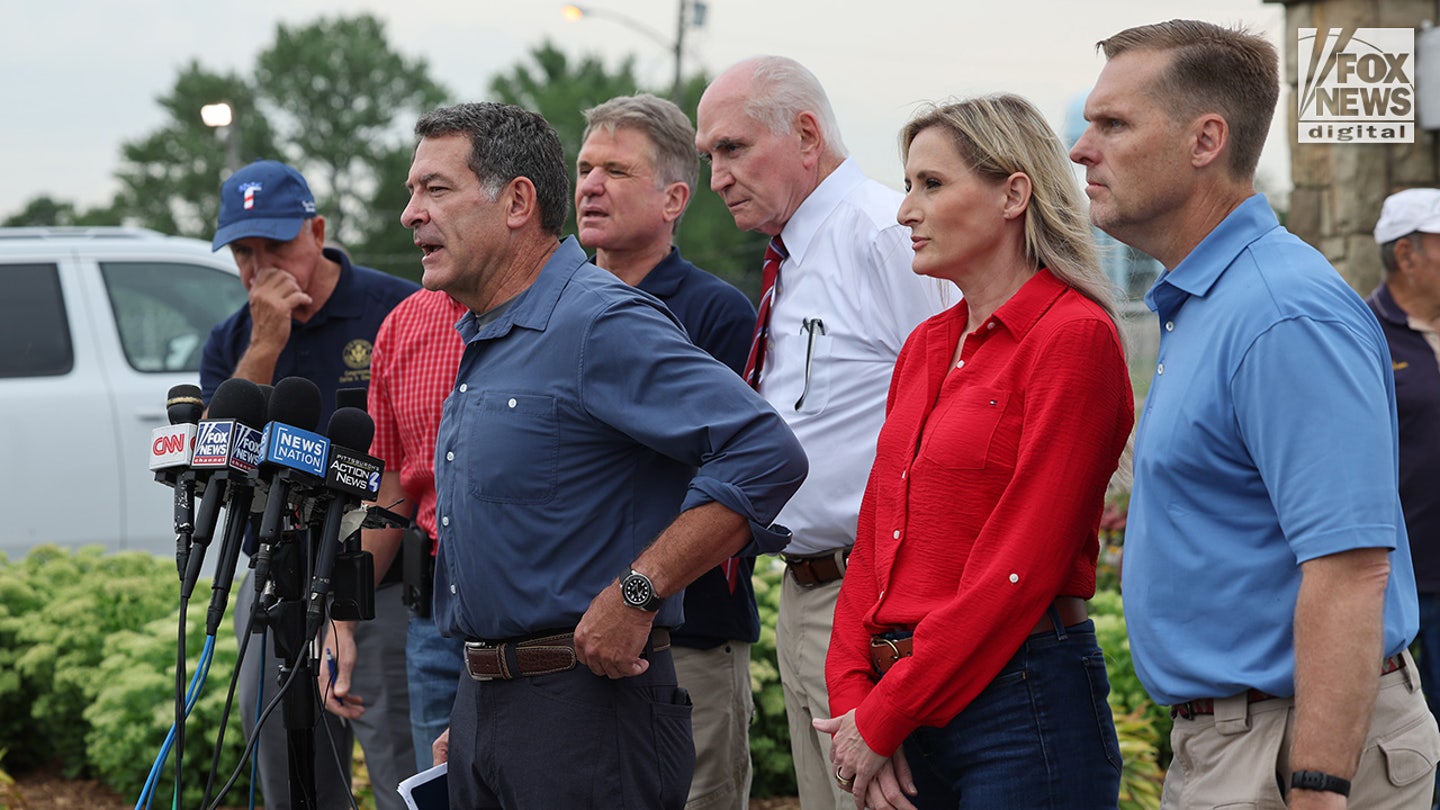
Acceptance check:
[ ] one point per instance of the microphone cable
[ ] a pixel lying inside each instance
(202, 671)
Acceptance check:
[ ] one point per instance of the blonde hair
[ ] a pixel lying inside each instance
(999, 135)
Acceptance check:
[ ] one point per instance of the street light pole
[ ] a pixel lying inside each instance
(680, 27)
(221, 117)
(676, 47)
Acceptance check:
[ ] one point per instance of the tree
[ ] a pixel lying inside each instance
(344, 102)
(46, 210)
(170, 179)
(561, 90)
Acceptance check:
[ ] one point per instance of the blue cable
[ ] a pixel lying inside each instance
(192, 696)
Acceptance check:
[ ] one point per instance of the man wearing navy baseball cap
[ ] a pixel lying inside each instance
(313, 314)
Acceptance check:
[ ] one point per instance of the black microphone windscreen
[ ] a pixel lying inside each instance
(239, 399)
(266, 391)
(296, 402)
(183, 404)
(350, 398)
(351, 428)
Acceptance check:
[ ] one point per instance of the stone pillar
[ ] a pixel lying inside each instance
(1339, 186)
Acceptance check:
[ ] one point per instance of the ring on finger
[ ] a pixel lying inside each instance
(843, 781)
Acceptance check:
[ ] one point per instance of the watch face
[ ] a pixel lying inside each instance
(637, 590)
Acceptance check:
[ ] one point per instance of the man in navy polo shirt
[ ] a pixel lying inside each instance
(1407, 302)
(311, 314)
(636, 171)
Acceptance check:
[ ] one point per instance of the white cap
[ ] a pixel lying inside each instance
(1408, 211)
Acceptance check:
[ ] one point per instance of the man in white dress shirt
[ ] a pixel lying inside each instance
(843, 304)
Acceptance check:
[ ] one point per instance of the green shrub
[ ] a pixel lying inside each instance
(87, 667)
(774, 770)
(134, 710)
(1143, 727)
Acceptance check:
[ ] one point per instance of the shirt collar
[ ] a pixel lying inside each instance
(1023, 310)
(664, 279)
(531, 309)
(1384, 305)
(807, 220)
(1204, 265)
(347, 300)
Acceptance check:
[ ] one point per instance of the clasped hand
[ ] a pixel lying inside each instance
(881, 783)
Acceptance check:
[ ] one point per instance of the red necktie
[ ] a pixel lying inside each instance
(774, 254)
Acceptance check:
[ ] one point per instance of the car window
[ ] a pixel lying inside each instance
(34, 333)
(165, 310)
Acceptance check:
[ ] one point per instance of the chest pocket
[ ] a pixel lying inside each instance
(961, 433)
(813, 393)
(515, 447)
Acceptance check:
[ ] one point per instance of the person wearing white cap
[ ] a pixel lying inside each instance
(1407, 302)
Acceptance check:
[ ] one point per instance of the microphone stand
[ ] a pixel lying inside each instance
(283, 610)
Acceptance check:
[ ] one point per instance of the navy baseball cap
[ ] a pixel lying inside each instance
(266, 199)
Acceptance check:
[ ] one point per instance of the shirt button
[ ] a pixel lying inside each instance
(445, 521)
(1160, 369)
(902, 474)
(1014, 578)
(463, 387)
(1169, 326)
(452, 589)
(449, 456)
(897, 534)
(511, 403)
(960, 364)
(990, 325)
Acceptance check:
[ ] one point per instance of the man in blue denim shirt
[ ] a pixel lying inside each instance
(591, 462)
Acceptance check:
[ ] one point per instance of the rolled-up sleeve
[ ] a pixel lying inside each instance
(642, 376)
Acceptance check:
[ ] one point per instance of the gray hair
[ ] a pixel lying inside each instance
(672, 138)
(507, 142)
(782, 89)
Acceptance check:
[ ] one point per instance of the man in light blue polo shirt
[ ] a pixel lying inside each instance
(1268, 586)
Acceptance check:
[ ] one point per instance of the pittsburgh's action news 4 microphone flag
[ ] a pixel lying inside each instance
(171, 449)
(350, 476)
(227, 451)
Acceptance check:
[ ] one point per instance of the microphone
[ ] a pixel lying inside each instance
(350, 476)
(171, 449)
(290, 452)
(227, 451)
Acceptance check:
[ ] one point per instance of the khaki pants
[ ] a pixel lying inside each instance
(718, 680)
(1238, 758)
(802, 639)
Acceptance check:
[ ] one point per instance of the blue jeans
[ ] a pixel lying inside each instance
(433, 667)
(1040, 736)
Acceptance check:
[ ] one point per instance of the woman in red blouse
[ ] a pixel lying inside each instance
(962, 669)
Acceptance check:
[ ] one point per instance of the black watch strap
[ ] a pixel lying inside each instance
(1318, 780)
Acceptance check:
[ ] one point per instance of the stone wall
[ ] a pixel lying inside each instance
(1339, 187)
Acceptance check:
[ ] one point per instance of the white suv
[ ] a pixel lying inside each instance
(96, 325)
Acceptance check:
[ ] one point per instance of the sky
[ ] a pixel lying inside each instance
(76, 87)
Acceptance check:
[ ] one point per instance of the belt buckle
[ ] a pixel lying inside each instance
(487, 646)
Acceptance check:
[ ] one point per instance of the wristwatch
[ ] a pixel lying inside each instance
(639, 592)
(1317, 780)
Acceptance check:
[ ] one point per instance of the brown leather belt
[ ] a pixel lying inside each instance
(545, 655)
(884, 652)
(1195, 708)
(817, 569)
